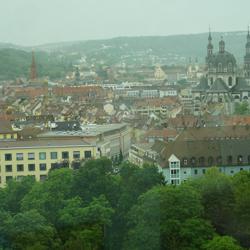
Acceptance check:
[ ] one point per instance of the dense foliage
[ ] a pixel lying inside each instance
(242, 108)
(96, 208)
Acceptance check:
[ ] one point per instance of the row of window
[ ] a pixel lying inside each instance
(20, 177)
(220, 68)
(175, 175)
(31, 167)
(214, 160)
(43, 155)
(196, 171)
(7, 136)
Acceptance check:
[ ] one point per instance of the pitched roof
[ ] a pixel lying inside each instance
(219, 86)
(161, 133)
(214, 133)
(202, 86)
(242, 85)
(208, 153)
(5, 127)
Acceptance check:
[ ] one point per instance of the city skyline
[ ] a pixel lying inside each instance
(30, 24)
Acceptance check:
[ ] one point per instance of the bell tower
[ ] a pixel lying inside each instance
(33, 73)
(210, 45)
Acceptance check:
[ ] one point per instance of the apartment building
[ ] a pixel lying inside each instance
(37, 157)
(192, 158)
(25, 155)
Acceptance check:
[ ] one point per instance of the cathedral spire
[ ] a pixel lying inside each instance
(33, 74)
(210, 36)
(210, 45)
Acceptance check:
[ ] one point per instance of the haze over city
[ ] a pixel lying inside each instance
(125, 124)
(29, 22)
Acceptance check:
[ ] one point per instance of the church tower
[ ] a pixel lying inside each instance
(247, 57)
(33, 74)
(209, 46)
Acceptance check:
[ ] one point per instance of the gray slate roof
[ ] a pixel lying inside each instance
(202, 86)
(213, 152)
(219, 86)
(242, 85)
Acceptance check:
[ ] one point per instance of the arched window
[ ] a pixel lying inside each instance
(210, 160)
(230, 159)
(230, 67)
(240, 159)
(220, 67)
(211, 80)
(230, 81)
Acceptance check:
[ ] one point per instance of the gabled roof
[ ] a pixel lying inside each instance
(218, 86)
(173, 158)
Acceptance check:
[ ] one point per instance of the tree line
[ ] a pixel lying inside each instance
(130, 208)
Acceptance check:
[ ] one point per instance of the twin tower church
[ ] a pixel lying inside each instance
(224, 83)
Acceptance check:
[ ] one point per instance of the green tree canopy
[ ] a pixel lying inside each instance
(168, 218)
(222, 243)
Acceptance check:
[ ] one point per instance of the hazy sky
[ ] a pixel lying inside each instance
(32, 22)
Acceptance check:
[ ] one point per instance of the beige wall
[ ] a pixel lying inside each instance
(37, 173)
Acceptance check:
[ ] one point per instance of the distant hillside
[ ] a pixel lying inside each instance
(16, 63)
(193, 45)
(54, 60)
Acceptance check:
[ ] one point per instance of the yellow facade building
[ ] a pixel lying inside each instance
(37, 157)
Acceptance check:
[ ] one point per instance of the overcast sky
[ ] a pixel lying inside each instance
(33, 22)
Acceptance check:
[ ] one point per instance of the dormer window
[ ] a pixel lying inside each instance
(240, 159)
(210, 160)
(193, 161)
(248, 159)
(230, 159)
(185, 162)
(219, 160)
(202, 161)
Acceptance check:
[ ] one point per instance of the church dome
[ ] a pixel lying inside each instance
(223, 59)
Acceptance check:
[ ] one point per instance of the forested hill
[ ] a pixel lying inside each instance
(16, 63)
(54, 60)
